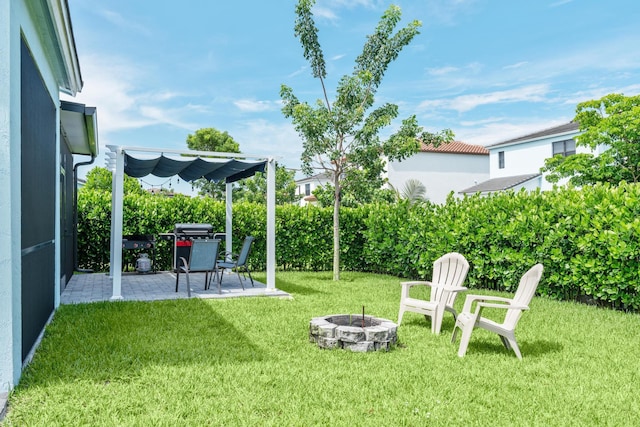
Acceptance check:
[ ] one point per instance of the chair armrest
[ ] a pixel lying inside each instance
(452, 288)
(416, 283)
(185, 264)
(507, 306)
(470, 299)
(406, 286)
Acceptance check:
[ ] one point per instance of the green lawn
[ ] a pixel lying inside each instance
(248, 361)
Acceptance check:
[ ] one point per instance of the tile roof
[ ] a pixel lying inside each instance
(454, 147)
(499, 184)
(567, 127)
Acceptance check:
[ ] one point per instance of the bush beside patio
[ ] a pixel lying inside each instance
(587, 239)
(248, 361)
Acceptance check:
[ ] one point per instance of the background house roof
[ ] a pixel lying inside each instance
(499, 184)
(455, 147)
(556, 130)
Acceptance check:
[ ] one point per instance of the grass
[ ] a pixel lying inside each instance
(248, 361)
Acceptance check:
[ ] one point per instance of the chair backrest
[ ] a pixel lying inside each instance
(244, 252)
(450, 269)
(524, 294)
(204, 253)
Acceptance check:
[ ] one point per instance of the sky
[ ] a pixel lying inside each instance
(489, 70)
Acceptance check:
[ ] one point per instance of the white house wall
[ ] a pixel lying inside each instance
(440, 173)
(527, 157)
(314, 182)
(15, 22)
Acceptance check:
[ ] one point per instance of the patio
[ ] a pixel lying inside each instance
(94, 287)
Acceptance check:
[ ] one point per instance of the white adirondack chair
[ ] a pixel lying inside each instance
(468, 320)
(449, 272)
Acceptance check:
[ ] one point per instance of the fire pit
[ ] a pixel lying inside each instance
(355, 332)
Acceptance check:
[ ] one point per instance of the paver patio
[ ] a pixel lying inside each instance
(93, 287)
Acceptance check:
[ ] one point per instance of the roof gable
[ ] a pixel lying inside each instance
(500, 184)
(556, 130)
(454, 147)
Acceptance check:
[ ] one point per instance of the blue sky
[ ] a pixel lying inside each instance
(490, 70)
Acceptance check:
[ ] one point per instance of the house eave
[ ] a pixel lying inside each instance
(79, 128)
(53, 21)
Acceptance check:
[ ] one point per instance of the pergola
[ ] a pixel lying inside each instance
(190, 165)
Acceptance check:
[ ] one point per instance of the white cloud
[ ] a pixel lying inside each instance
(298, 71)
(481, 121)
(500, 130)
(251, 106)
(462, 103)
(560, 3)
(516, 65)
(599, 92)
(447, 11)
(112, 84)
(262, 137)
(324, 13)
(166, 116)
(442, 70)
(124, 24)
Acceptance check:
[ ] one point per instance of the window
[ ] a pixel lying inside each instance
(501, 159)
(564, 148)
(307, 189)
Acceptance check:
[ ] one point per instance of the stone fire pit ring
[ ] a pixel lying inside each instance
(354, 332)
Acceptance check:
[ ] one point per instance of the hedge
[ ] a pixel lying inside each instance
(587, 239)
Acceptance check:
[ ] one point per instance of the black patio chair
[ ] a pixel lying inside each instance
(239, 263)
(202, 258)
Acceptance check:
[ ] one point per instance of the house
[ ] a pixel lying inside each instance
(39, 136)
(306, 186)
(515, 164)
(443, 169)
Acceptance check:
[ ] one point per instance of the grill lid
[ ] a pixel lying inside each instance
(193, 229)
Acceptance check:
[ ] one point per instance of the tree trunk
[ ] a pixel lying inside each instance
(336, 230)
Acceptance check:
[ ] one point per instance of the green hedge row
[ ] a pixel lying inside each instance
(304, 235)
(588, 240)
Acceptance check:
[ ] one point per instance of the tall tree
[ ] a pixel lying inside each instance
(100, 178)
(341, 137)
(210, 139)
(613, 123)
(254, 189)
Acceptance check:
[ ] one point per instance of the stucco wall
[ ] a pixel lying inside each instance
(528, 157)
(440, 173)
(10, 320)
(15, 23)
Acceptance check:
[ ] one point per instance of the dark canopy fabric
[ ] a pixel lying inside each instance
(191, 168)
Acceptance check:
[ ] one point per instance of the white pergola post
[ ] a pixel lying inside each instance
(116, 228)
(228, 230)
(111, 165)
(271, 224)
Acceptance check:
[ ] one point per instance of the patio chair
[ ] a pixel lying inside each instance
(238, 262)
(468, 320)
(202, 258)
(449, 272)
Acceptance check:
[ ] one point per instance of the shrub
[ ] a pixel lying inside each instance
(587, 239)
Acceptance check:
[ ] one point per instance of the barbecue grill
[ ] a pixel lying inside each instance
(141, 241)
(182, 236)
